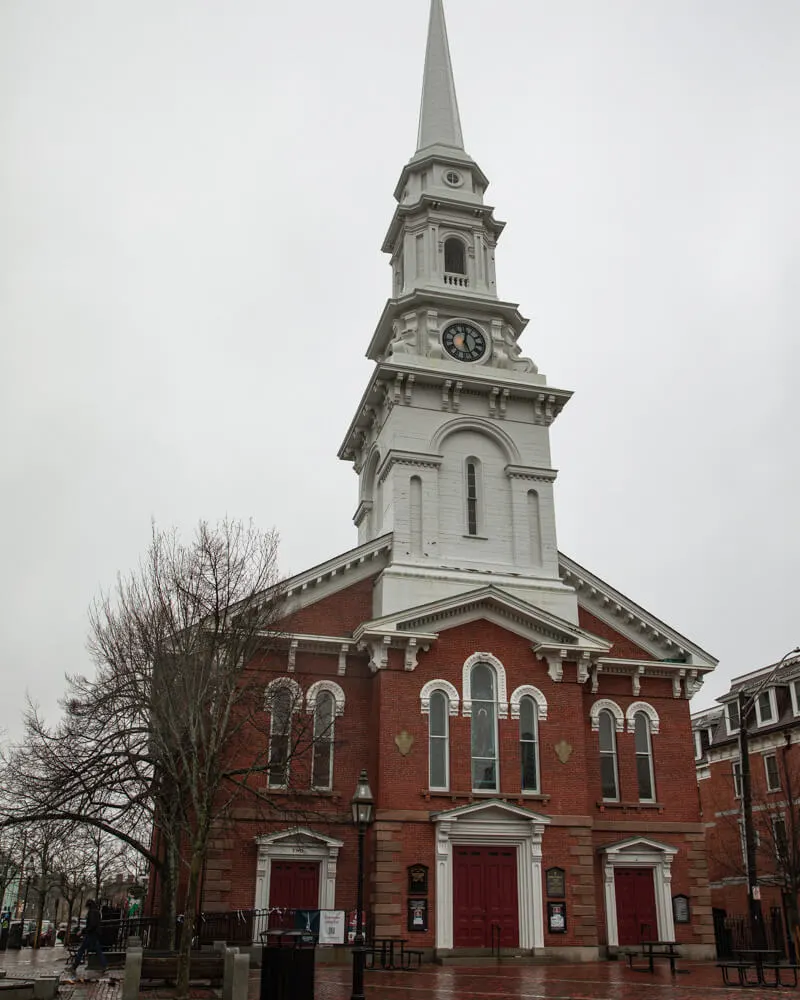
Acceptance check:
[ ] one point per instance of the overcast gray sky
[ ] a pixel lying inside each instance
(192, 199)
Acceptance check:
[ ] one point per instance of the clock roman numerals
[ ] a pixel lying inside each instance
(464, 342)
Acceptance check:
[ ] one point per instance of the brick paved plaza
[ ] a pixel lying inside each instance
(598, 981)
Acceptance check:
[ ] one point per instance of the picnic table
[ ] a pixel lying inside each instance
(383, 949)
(757, 967)
(653, 950)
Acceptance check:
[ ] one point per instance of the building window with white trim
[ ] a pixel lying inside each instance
(483, 691)
(771, 771)
(438, 742)
(322, 756)
(644, 758)
(608, 756)
(765, 707)
(529, 744)
(794, 688)
(455, 256)
(281, 709)
(732, 717)
(737, 779)
(743, 842)
(472, 486)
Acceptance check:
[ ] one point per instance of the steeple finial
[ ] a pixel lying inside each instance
(439, 123)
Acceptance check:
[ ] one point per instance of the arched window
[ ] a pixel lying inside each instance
(283, 700)
(483, 689)
(529, 744)
(322, 756)
(472, 487)
(608, 756)
(438, 742)
(455, 257)
(644, 757)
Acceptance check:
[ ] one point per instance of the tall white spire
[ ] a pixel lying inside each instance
(439, 123)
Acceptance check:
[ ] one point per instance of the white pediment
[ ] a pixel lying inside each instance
(490, 811)
(490, 603)
(297, 837)
(637, 845)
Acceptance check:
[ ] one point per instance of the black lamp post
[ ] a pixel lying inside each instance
(362, 805)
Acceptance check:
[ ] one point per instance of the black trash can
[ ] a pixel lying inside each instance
(15, 935)
(287, 966)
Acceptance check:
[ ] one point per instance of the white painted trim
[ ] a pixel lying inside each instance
(438, 685)
(479, 424)
(640, 853)
(297, 845)
(729, 729)
(330, 686)
(466, 683)
(608, 705)
(520, 829)
(528, 690)
(773, 706)
(649, 711)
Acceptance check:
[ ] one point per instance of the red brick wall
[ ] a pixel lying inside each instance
(381, 706)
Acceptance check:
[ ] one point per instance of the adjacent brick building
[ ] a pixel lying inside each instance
(773, 727)
(525, 726)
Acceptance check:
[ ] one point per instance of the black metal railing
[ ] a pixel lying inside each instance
(735, 932)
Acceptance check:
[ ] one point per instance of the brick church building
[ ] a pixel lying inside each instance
(524, 725)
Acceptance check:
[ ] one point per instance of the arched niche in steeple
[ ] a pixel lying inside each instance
(455, 255)
(369, 490)
(485, 427)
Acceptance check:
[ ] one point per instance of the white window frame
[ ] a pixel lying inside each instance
(793, 686)
(327, 737)
(445, 738)
(613, 753)
(651, 764)
(698, 745)
(296, 696)
(743, 844)
(535, 741)
(773, 704)
(736, 768)
(774, 820)
(492, 791)
(777, 787)
(731, 730)
(479, 509)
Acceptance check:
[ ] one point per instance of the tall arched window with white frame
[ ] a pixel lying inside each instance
(472, 490)
(529, 744)
(281, 708)
(608, 756)
(483, 685)
(322, 754)
(439, 742)
(644, 758)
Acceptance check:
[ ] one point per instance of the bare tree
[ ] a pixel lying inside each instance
(177, 727)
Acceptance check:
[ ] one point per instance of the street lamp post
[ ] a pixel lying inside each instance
(746, 704)
(362, 805)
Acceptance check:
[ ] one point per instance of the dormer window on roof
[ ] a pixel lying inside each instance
(794, 689)
(732, 717)
(766, 708)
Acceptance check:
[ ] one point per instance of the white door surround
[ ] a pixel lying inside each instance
(639, 852)
(492, 822)
(297, 844)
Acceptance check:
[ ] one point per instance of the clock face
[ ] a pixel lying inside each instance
(464, 342)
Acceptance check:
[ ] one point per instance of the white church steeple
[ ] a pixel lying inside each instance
(451, 438)
(439, 122)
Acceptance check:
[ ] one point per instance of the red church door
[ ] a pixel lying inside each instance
(636, 905)
(293, 885)
(485, 894)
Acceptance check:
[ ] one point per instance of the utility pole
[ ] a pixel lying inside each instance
(753, 888)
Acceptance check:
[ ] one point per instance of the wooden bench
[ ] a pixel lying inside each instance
(203, 965)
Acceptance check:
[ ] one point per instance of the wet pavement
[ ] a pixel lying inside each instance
(591, 981)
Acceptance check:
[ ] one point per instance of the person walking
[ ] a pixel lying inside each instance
(91, 937)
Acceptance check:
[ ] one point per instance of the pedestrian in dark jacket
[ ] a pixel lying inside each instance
(91, 937)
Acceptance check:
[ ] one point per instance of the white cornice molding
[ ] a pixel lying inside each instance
(629, 619)
(339, 565)
(418, 460)
(529, 472)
